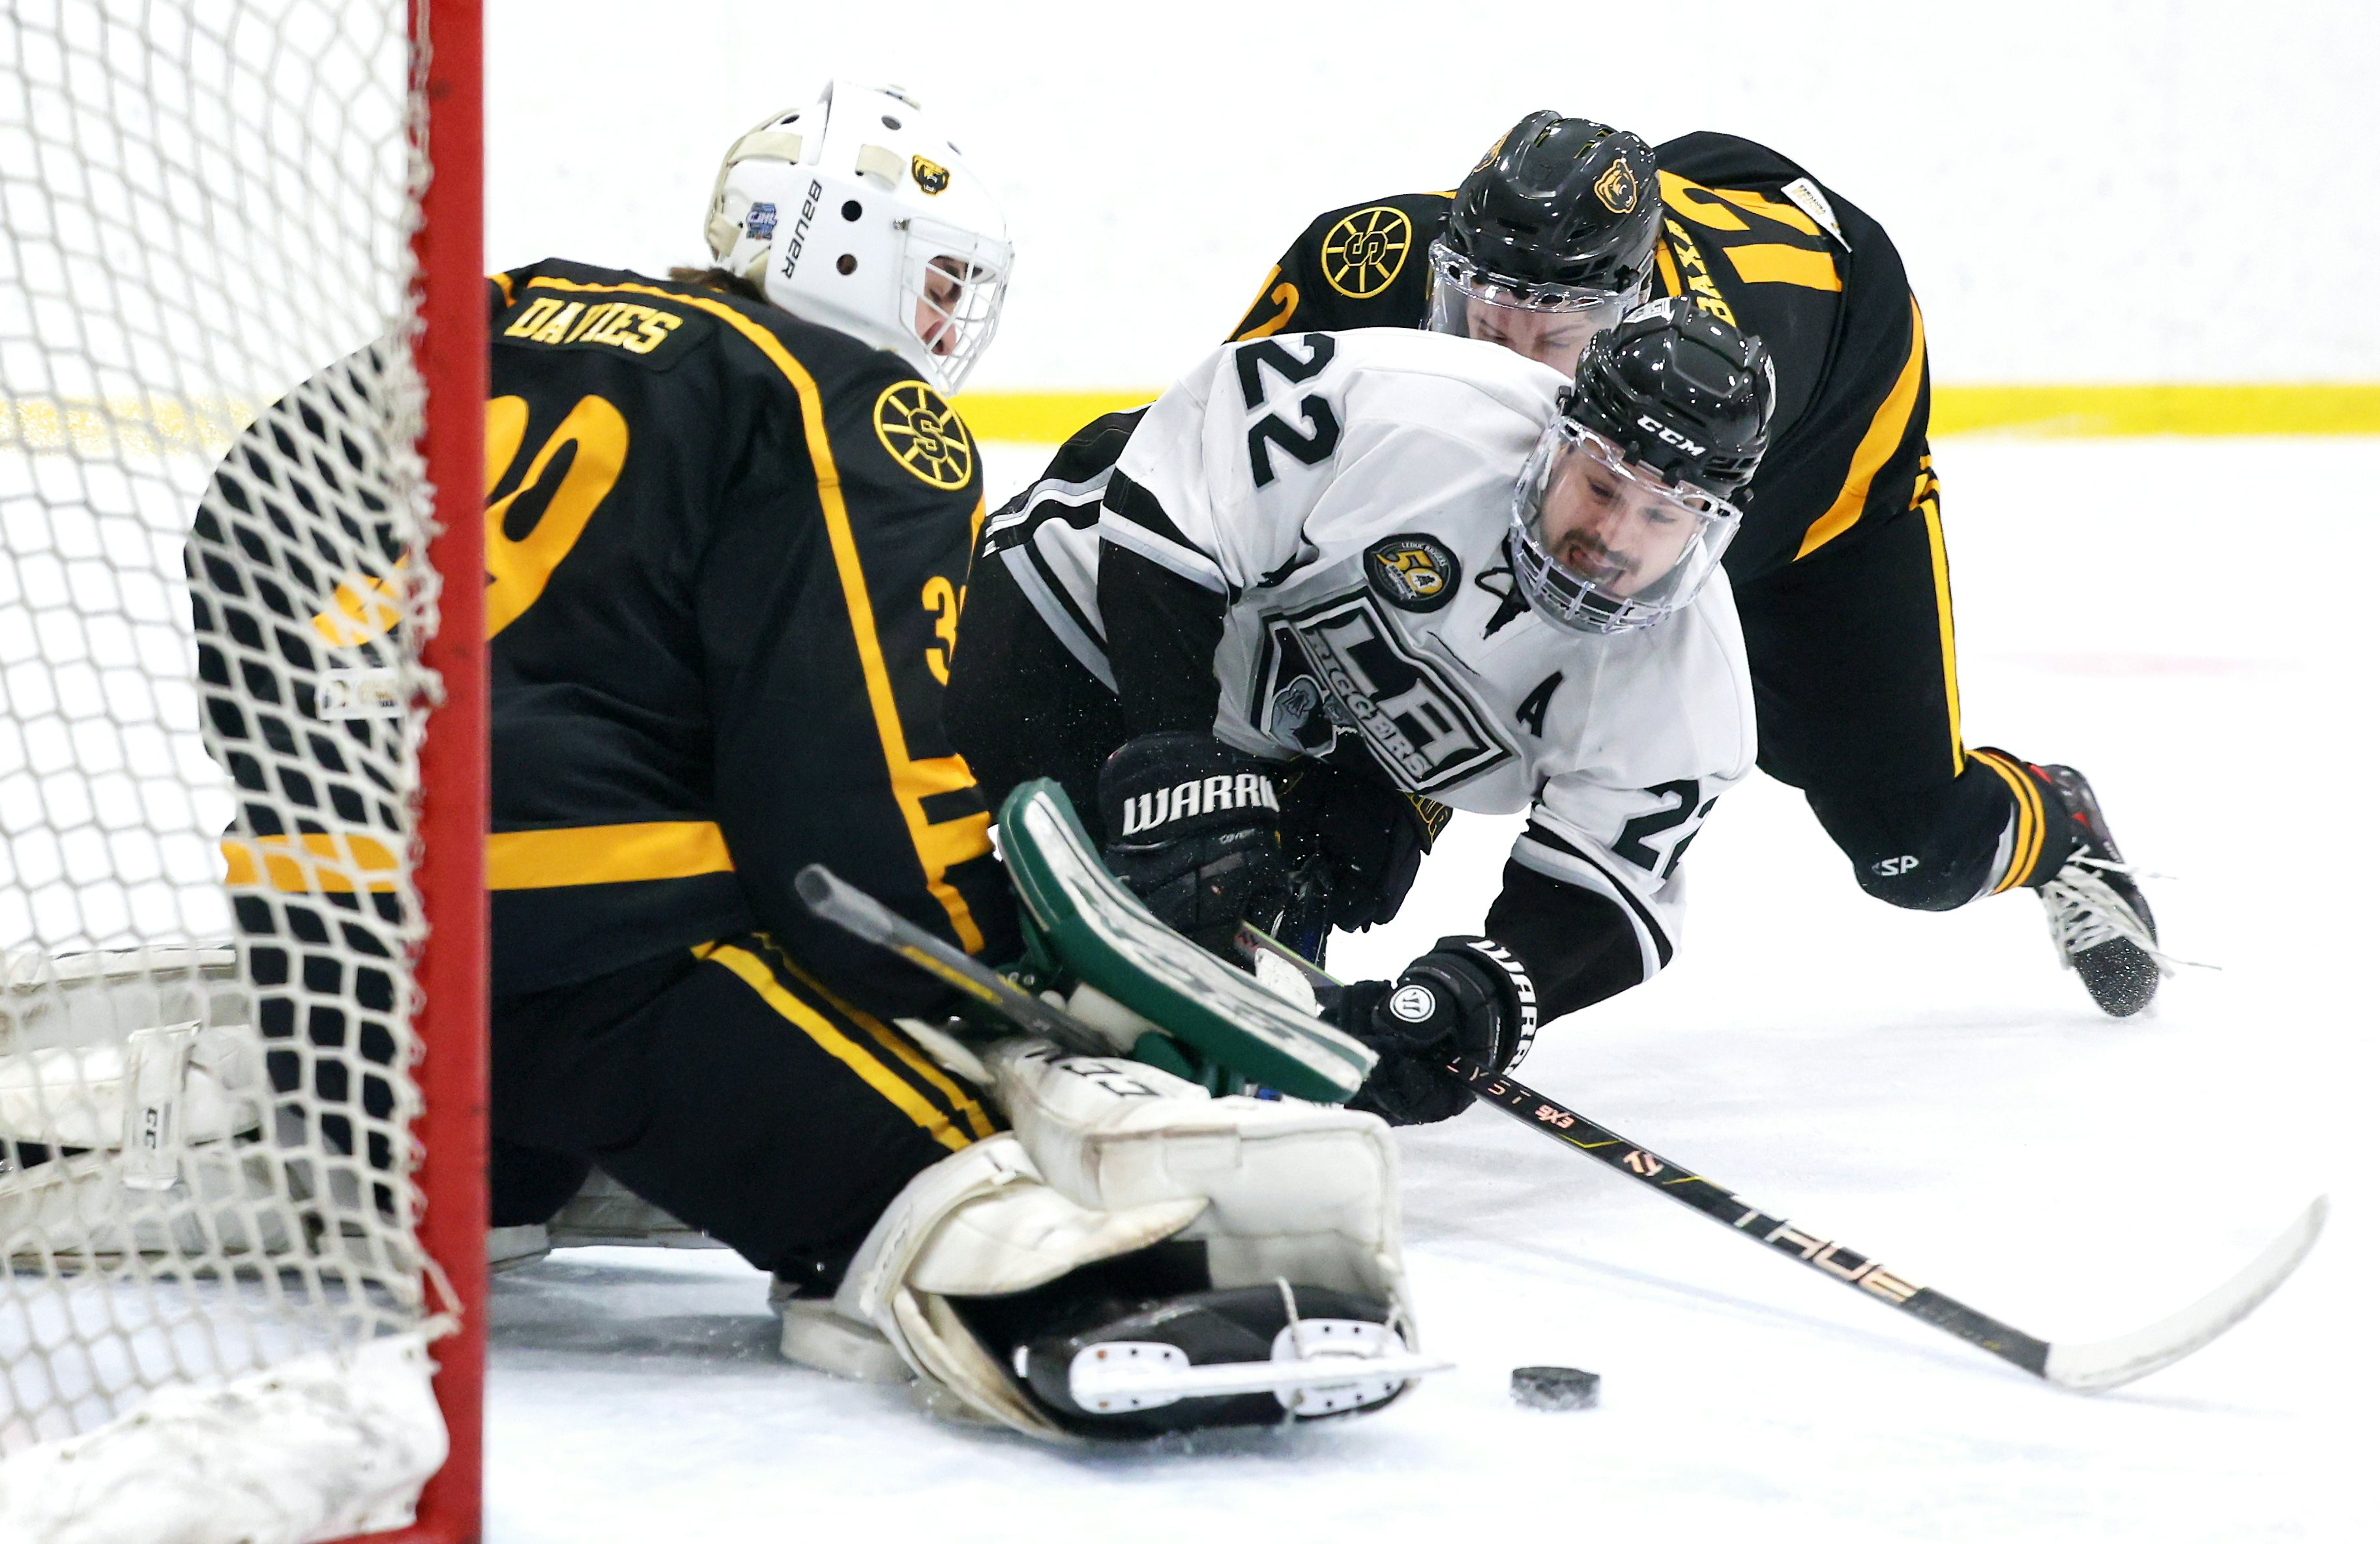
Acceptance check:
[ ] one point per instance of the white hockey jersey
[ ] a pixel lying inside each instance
(1346, 496)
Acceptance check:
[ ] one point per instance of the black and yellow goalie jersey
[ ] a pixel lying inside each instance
(1754, 239)
(726, 552)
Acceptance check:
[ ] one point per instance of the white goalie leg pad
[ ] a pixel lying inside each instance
(1297, 1191)
(154, 1124)
(163, 1087)
(604, 1211)
(982, 1222)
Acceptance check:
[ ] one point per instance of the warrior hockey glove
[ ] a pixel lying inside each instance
(1467, 997)
(1363, 839)
(1194, 829)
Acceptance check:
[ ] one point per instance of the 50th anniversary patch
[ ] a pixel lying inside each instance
(1413, 572)
(923, 432)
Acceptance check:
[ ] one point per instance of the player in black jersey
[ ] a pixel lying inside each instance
(727, 532)
(729, 517)
(1839, 571)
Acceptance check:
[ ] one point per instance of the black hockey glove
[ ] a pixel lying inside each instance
(1467, 997)
(1365, 838)
(1194, 829)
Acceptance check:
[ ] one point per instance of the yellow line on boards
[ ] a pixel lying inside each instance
(2234, 408)
(2048, 412)
(158, 425)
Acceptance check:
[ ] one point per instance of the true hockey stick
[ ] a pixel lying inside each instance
(2088, 1369)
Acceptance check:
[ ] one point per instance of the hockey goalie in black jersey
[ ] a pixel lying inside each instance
(729, 518)
(1328, 580)
(1839, 572)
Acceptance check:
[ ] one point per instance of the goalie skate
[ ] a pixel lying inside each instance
(1247, 1356)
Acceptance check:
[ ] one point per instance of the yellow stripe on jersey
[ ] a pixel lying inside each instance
(504, 282)
(1884, 435)
(2025, 850)
(755, 973)
(606, 854)
(1760, 203)
(1770, 262)
(1927, 499)
(939, 845)
(898, 1044)
(316, 863)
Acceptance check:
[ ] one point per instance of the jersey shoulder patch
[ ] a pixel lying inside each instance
(924, 434)
(1413, 572)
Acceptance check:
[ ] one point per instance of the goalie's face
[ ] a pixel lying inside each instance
(1605, 544)
(938, 304)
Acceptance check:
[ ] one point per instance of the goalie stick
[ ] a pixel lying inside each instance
(863, 916)
(2090, 1368)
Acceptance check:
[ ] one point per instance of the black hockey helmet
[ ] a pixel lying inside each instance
(1560, 200)
(1681, 392)
(1626, 506)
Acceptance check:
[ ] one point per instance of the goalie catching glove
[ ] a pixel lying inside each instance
(1468, 997)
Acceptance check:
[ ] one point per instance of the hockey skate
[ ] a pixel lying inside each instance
(2098, 918)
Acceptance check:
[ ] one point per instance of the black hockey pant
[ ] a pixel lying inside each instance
(1854, 678)
(727, 1085)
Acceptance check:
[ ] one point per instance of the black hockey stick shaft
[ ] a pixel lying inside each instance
(1655, 1172)
(863, 916)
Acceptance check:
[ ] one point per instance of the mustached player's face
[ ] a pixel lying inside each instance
(1616, 535)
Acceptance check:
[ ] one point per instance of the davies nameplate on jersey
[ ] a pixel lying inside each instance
(1411, 572)
(1416, 721)
(923, 432)
(627, 328)
(1365, 251)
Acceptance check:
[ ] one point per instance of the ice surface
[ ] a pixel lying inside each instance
(1930, 1089)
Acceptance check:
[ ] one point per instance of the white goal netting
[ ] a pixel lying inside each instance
(213, 596)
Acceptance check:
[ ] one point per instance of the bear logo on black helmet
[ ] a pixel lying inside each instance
(1616, 188)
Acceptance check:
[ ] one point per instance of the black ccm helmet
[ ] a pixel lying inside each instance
(1629, 499)
(1549, 240)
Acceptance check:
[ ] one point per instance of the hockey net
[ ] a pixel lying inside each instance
(240, 943)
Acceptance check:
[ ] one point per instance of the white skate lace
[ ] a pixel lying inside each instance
(2085, 911)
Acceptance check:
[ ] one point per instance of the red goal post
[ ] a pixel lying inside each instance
(451, 352)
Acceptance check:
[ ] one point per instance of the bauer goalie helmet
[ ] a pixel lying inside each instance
(1549, 240)
(858, 213)
(1628, 502)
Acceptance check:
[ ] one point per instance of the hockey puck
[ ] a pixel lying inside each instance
(1556, 1388)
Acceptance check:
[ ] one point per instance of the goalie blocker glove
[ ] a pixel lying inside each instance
(1467, 997)
(1194, 829)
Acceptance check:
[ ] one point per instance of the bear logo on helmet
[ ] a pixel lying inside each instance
(929, 176)
(1616, 188)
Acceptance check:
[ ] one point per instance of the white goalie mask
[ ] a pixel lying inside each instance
(858, 213)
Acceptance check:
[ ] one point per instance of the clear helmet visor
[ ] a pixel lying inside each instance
(1603, 545)
(1549, 322)
(953, 281)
